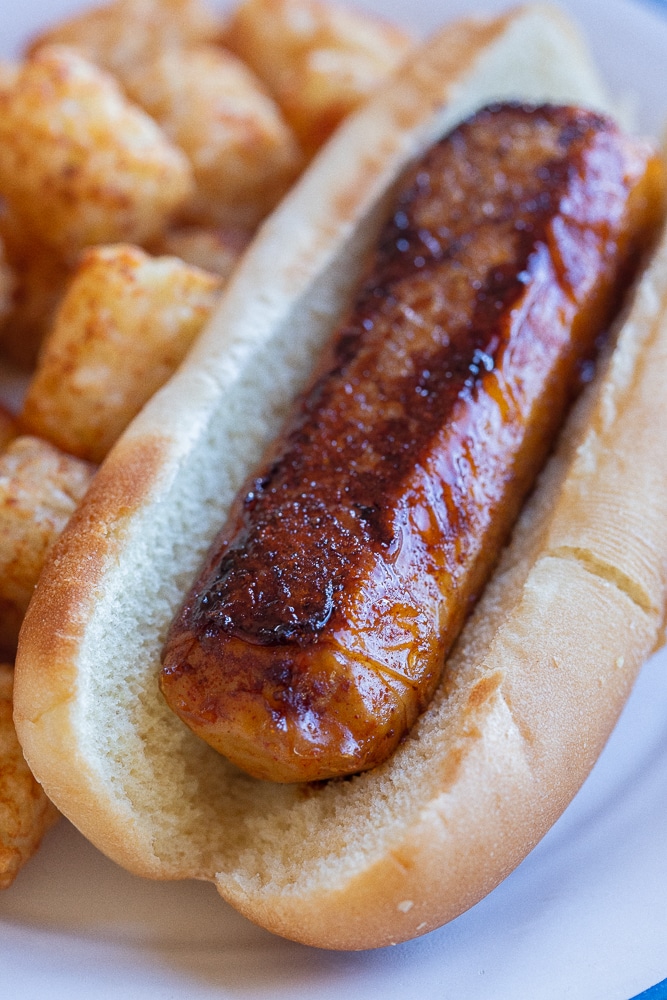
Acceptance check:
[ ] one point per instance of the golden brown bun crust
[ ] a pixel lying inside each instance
(541, 671)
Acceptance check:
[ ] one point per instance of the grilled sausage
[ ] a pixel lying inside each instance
(317, 630)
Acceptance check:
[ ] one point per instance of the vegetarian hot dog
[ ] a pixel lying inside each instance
(317, 631)
(541, 670)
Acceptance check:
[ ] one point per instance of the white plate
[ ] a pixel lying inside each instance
(584, 917)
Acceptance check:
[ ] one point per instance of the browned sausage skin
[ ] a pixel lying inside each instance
(318, 628)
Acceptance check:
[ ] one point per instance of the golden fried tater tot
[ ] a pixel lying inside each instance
(122, 34)
(318, 59)
(39, 279)
(243, 154)
(213, 249)
(25, 812)
(79, 164)
(123, 327)
(39, 489)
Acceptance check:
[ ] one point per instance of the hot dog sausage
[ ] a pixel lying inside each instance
(317, 629)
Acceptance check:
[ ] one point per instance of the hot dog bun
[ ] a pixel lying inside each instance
(542, 669)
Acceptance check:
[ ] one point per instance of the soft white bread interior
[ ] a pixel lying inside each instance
(542, 669)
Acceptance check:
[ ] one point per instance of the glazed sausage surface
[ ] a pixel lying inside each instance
(317, 631)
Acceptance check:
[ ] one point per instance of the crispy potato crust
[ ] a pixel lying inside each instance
(320, 60)
(124, 326)
(25, 811)
(39, 490)
(122, 34)
(79, 164)
(243, 154)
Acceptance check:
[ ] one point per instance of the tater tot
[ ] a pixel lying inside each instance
(318, 59)
(25, 812)
(123, 328)
(213, 249)
(121, 34)
(39, 490)
(81, 165)
(243, 154)
(38, 281)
